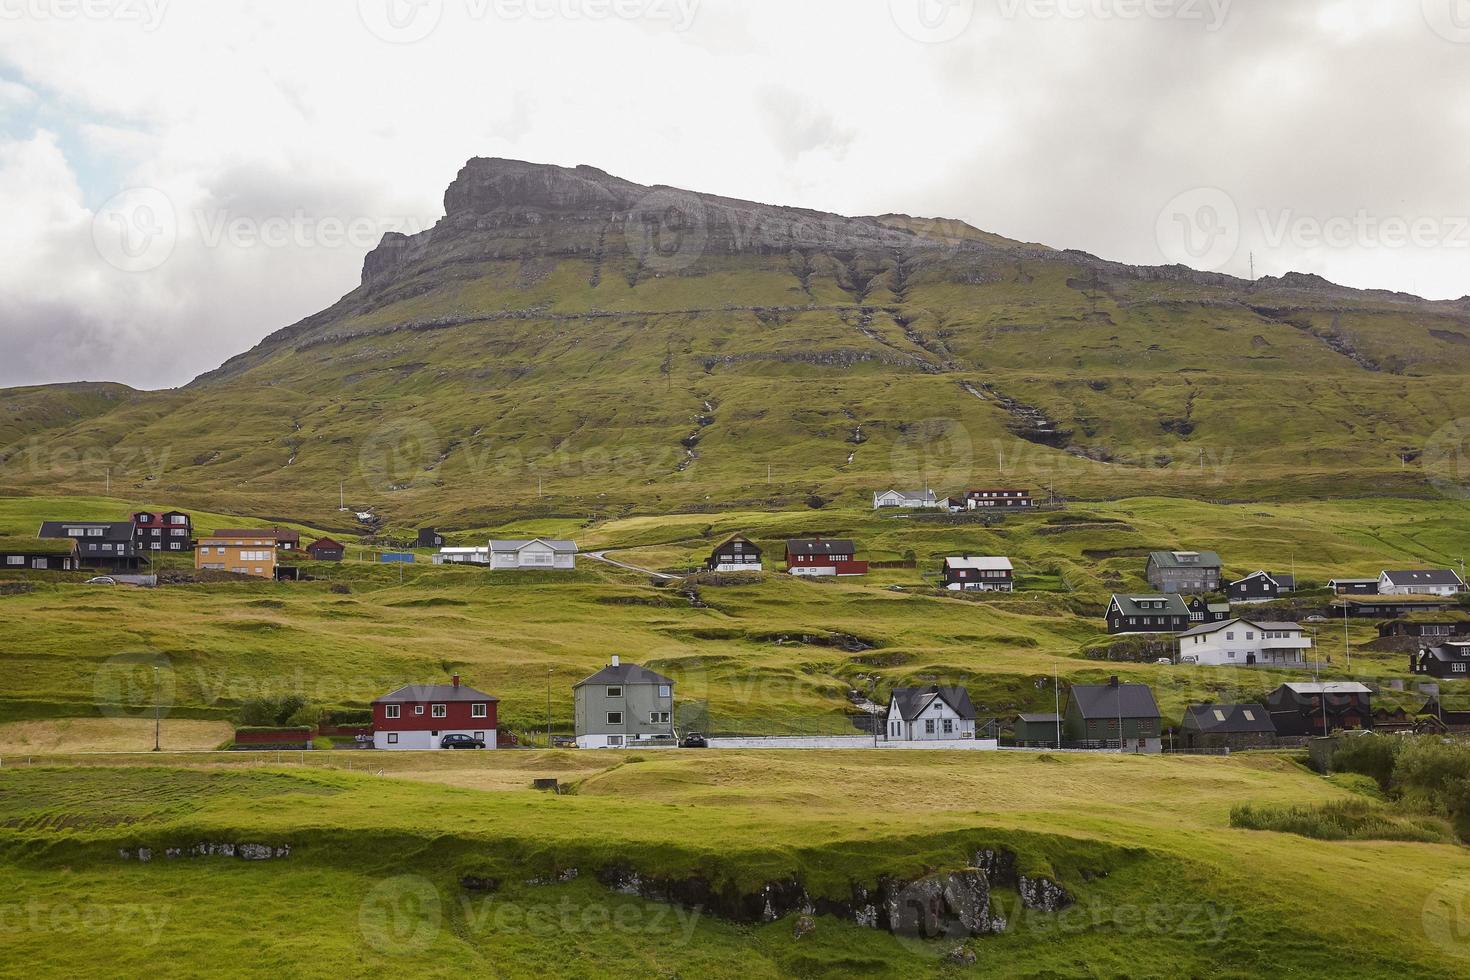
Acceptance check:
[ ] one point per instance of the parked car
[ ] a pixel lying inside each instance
(101, 580)
(694, 740)
(459, 740)
(1316, 619)
(1164, 660)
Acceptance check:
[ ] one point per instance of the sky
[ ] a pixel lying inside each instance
(179, 179)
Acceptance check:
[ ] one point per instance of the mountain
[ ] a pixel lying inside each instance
(567, 341)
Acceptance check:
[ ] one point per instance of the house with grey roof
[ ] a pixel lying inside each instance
(1036, 729)
(107, 545)
(1319, 707)
(1183, 571)
(928, 714)
(1245, 643)
(911, 499)
(524, 553)
(1113, 716)
(624, 705)
(1261, 586)
(1422, 581)
(1147, 614)
(1227, 726)
(1448, 660)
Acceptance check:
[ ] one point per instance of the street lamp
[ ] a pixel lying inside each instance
(157, 717)
(548, 707)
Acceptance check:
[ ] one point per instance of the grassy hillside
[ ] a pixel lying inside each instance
(1163, 885)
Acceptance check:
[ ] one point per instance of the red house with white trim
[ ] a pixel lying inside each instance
(418, 716)
(823, 556)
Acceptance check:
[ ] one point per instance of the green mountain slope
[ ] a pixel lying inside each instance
(564, 339)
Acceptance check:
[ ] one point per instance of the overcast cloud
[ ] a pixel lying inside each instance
(260, 149)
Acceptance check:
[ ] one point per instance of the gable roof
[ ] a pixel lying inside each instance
(1287, 582)
(558, 545)
(1205, 628)
(1048, 718)
(742, 539)
(1229, 718)
(1172, 559)
(1128, 605)
(981, 564)
(436, 692)
(111, 530)
(1109, 701)
(326, 543)
(1453, 651)
(926, 496)
(627, 674)
(1327, 687)
(820, 546)
(913, 701)
(1422, 576)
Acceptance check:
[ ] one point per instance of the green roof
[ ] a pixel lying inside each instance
(36, 546)
(1168, 559)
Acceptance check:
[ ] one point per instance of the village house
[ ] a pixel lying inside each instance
(424, 716)
(1245, 643)
(1147, 614)
(171, 530)
(1202, 610)
(622, 705)
(988, 574)
(911, 499)
(1424, 581)
(928, 714)
(523, 553)
(1261, 587)
(1299, 708)
(1354, 586)
(1183, 571)
(1113, 715)
(736, 553)
(1446, 719)
(1387, 721)
(241, 552)
(1392, 607)
(462, 556)
(429, 538)
(987, 499)
(37, 554)
(821, 556)
(103, 545)
(1449, 660)
(1424, 630)
(1227, 726)
(326, 549)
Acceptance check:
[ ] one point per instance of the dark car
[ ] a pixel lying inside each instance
(461, 741)
(694, 740)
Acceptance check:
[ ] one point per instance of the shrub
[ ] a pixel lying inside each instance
(1435, 774)
(267, 712)
(1339, 820)
(1367, 755)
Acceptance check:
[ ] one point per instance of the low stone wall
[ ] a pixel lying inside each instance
(847, 742)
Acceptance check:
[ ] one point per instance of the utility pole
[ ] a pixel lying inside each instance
(108, 478)
(1346, 646)
(548, 707)
(157, 717)
(1253, 267)
(1056, 687)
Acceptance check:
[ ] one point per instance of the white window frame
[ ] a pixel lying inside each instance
(480, 711)
(439, 711)
(391, 711)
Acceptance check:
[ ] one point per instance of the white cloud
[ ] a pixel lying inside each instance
(1070, 131)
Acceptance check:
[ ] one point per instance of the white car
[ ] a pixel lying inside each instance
(1164, 661)
(101, 580)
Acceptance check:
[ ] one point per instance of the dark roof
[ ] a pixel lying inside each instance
(1170, 559)
(912, 700)
(1036, 719)
(436, 692)
(1228, 718)
(820, 546)
(112, 530)
(325, 543)
(626, 674)
(1448, 652)
(1287, 582)
(1173, 605)
(738, 537)
(1424, 576)
(279, 533)
(1109, 701)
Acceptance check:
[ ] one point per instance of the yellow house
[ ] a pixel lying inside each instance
(239, 552)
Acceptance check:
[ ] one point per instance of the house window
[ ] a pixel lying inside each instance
(615, 692)
(929, 727)
(390, 711)
(614, 717)
(418, 709)
(948, 726)
(440, 711)
(479, 711)
(392, 738)
(1459, 668)
(15, 559)
(665, 691)
(658, 717)
(614, 741)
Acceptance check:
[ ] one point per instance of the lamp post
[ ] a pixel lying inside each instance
(157, 717)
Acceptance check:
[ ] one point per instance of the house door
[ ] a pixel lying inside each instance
(1250, 660)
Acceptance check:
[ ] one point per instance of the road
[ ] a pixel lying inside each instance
(602, 557)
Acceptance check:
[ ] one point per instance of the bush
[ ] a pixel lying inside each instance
(1434, 774)
(268, 712)
(1367, 755)
(1339, 820)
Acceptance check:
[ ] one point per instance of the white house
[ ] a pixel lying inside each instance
(928, 713)
(912, 499)
(991, 573)
(462, 556)
(1424, 581)
(1244, 643)
(532, 553)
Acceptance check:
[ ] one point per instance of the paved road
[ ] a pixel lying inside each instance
(602, 557)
